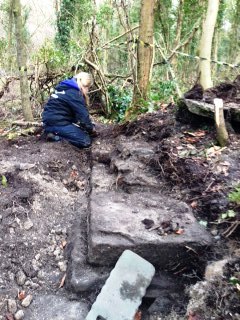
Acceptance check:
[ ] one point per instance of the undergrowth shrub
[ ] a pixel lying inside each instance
(120, 100)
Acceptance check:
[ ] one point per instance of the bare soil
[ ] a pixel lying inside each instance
(45, 186)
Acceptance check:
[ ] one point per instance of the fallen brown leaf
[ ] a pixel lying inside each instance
(9, 316)
(191, 139)
(179, 231)
(199, 133)
(63, 244)
(194, 316)
(74, 174)
(62, 281)
(194, 204)
(138, 315)
(21, 295)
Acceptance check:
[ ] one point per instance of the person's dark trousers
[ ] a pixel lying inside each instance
(71, 133)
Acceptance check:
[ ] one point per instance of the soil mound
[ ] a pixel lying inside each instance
(228, 91)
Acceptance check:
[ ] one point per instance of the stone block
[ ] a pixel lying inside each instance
(115, 224)
(122, 293)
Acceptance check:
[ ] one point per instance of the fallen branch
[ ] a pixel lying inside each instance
(27, 123)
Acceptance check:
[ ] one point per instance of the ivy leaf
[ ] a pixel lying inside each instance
(224, 215)
(234, 280)
(231, 213)
(203, 223)
(4, 181)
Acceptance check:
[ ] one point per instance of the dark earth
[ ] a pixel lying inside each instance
(44, 198)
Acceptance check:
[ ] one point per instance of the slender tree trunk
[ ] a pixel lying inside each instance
(144, 57)
(215, 51)
(206, 43)
(9, 34)
(234, 54)
(179, 23)
(22, 61)
(178, 30)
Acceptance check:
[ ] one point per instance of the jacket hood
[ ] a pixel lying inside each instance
(72, 83)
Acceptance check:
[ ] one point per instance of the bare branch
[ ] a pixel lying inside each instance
(121, 35)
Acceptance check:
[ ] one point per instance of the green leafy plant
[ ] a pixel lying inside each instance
(119, 101)
(228, 214)
(4, 181)
(50, 56)
(234, 196)
(164, 91)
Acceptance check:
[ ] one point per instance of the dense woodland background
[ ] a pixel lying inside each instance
(143, 54)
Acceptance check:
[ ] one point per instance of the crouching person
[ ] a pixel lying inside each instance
(66, 116)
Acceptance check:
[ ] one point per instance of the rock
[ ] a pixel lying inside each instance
(84, 278)
(26, 166)
(205, 109)
(137, 149)
(20, 278)
(11, 231)
(12, 305)
(198, 294)
(53, 307)
(34, 285)
(215, 269)
(41, 274)
(27, 301)
(80, 275)
(28, 224)
(57, 253)
(113, 228)
(200, 108)
(11, 276)
(37, 256)
(101, 179)
(62, 266)
(214, 232)
(134, 173)
(19, 315)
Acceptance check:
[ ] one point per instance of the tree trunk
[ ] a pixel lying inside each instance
(144, 58)
(215, 51)
(206, 44)
(22, 61)
(178, 29)
(9, 35)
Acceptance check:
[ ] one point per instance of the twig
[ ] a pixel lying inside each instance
(209, 186)
(231, 229)
(7, 132)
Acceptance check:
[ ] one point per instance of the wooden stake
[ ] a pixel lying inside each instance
(222, 134)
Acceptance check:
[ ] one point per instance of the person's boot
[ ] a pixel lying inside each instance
(52, 137)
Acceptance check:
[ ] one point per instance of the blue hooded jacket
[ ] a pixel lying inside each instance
(66, 106)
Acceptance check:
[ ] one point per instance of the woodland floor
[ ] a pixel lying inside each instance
(35, 237)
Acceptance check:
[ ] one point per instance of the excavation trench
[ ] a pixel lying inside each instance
(67, 215)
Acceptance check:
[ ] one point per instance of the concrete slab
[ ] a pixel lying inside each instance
(122, 293)
(115, 224)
